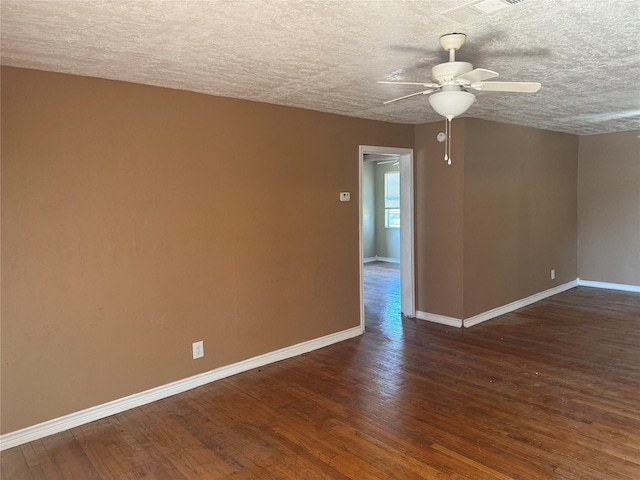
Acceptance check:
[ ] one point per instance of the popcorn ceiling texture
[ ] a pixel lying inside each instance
(328, 55)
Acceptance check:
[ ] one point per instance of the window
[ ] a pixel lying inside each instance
(392, 200)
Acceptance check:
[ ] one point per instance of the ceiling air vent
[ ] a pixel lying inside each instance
(472, 10)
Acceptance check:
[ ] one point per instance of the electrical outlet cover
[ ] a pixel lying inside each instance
(198, 349)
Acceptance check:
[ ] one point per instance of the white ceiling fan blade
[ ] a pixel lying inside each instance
(424, 84)
(424, 92)
(477, 75)
(519, 87)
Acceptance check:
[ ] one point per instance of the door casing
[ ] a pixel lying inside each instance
(407, 267)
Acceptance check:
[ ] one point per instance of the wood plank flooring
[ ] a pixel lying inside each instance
(549, 391)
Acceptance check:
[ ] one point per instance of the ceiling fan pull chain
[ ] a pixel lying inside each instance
(447, 145)
(446, 140)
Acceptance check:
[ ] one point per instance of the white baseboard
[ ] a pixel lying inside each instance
(35, 432)
(388, 259)
(496, 312)
(432, 317)
(381, 259)
(610, 286)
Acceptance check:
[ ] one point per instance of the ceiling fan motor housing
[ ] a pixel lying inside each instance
(452, 41)
(446, 72)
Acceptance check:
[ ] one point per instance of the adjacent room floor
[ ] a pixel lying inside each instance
(549, 391)
(382, 298)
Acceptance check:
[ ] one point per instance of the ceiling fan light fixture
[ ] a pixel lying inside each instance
(451, 104)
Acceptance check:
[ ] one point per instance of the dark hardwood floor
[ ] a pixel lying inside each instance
(549, 391)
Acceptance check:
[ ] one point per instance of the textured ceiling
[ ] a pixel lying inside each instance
(327, 55)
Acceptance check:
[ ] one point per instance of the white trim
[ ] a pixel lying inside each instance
(381, 259)
(387, 259)
(610, 286)
(432, 317)
(35, 432)
(407, 253)
(496, 312)
(360, 233)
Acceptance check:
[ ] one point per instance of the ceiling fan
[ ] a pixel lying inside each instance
(452, 80)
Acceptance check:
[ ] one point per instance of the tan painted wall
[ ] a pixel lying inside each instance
(609, 208)
(491, 226)
(137, 220)
(520, 213)
(368, 209)
(439, 196)
(387, 239)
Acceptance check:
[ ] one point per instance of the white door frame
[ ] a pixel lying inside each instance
(407, 278)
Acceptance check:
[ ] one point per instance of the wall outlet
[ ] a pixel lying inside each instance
(345, 196)
(198, 349)
(553, 274)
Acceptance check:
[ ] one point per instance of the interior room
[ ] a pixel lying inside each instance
(381, 208)
(381, 249)
(182, 286)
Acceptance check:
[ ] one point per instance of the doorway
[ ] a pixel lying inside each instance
(387, 157)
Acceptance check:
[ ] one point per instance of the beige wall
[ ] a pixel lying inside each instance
(520, 213)
(368, 208)
(609, 208)
(137, 220)
(439, 197)
(491, 226)
(377, 241)
(387, 239)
